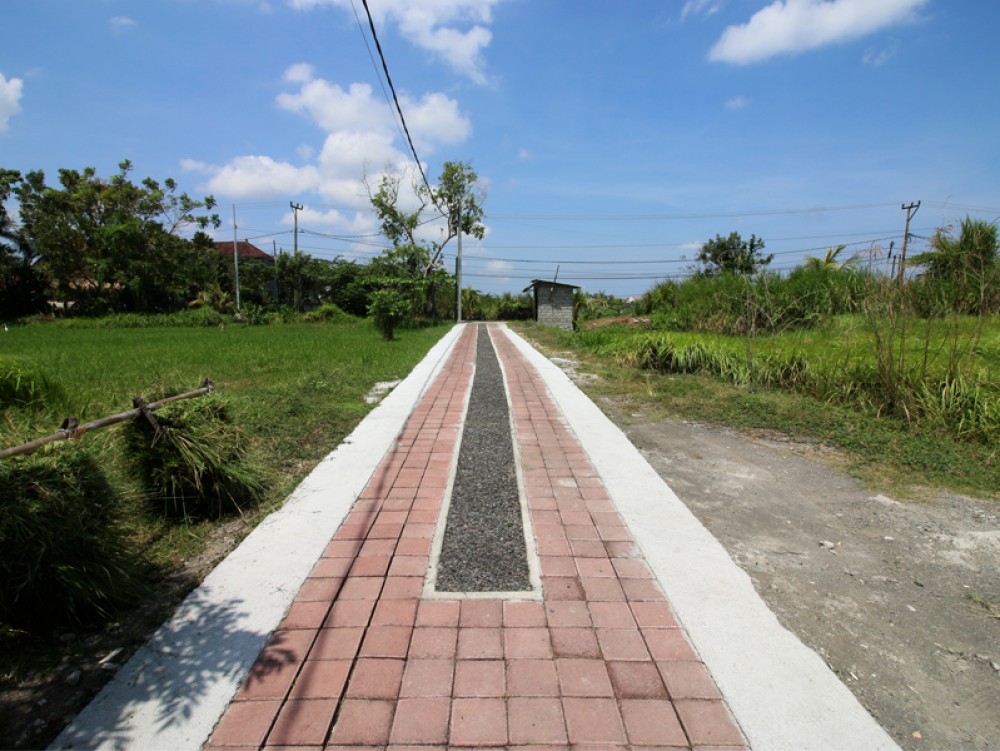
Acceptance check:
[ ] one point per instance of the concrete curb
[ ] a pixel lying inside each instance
(174, 689)
(782, 694)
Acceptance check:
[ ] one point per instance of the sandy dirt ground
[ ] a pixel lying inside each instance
(899, 598)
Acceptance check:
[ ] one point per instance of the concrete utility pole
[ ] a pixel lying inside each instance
(911, 211)
(296, 208)
(236, 261)
(458, 276)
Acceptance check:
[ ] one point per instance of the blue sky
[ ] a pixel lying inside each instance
(604, 132)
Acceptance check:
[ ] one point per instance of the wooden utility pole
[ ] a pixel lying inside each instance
(911, 211)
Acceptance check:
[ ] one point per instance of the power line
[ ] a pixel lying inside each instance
(388, 78)
(708, 215)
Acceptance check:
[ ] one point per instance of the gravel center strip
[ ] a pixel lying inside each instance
(483, 547)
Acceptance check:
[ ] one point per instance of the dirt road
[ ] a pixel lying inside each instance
(899, 598)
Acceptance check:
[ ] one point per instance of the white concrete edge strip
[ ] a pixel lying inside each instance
(781, 693)
(175, 688)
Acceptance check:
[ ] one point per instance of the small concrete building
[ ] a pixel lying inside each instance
(553, 303)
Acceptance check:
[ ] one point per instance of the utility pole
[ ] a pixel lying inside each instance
(296, 208)
(911, 211)
(236, 262)
(458, 276)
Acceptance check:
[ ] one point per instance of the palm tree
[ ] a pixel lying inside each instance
(830, 262)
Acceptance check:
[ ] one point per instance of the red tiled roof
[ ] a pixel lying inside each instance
(245, 250)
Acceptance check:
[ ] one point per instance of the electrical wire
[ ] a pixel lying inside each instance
(388, 78)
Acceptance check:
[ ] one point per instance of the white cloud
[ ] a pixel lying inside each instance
(737, 103)
(361, 139)
(454, 30)
(498, 266)
(792, 26)
(356, 223)
(121, 24)
(255, 176)
(695, 7)
(10, 100)
(523, 154)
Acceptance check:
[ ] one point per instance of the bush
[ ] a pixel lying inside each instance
(328, 313)
(196, 464)
(389, 308)
(63, 559)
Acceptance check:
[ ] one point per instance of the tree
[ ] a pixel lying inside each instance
(21, 288)
(733, 255)
(459, 199)
(112, 245)
(966, 267)
(830, 260)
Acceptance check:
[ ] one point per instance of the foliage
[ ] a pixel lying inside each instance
(64, 559)
(25, 386)
(114, 246)
(836, 363)
(21, 287)
(739, 305)
(328, 312)
(733, 255)
(196, 463)
(389, 308)
(963, 272)
(457, 196)
(591, 306)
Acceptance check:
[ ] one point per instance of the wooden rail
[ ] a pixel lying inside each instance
(71, 428)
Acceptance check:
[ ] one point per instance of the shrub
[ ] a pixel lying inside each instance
(328, 312)
(63, 558)
(196, 464)
(389, 308)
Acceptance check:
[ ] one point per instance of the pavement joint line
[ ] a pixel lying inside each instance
(781, 693)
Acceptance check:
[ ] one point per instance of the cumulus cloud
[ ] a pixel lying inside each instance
(793, 26)
(737, 103)
(10, 100)
(453, 30)
(498, 266)
(255, 176)
(360, 139)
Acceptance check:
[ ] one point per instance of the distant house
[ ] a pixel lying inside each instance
(553, 303)
(247, 251)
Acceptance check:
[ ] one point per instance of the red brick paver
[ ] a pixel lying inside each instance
(363, 661)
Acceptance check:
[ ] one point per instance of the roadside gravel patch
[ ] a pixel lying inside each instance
(483, 549)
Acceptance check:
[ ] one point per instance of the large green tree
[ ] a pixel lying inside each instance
(733, 255)
(112, 245)
(458, 198)
(21, 288)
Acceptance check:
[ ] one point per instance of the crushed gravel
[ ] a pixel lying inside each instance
(483, 549)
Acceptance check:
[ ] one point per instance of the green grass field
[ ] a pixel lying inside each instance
(820, 383)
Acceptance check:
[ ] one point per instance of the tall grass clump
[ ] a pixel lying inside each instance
(196, 463)
(25, 386)
(64, 559)
(741, 305)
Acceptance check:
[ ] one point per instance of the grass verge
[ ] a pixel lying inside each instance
(294, 391)
(884, 452)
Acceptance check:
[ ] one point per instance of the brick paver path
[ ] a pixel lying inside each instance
(363, 661)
